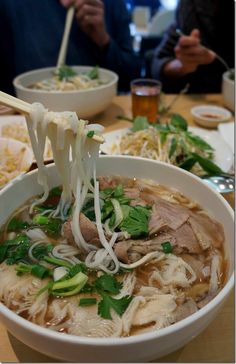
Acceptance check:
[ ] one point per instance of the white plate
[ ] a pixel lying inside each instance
(223, 154)
(15, 148)
(20, 120)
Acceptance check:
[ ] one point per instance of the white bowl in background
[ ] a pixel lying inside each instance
(86, 103)
(228, 90)
(210, 116)
(143, 347)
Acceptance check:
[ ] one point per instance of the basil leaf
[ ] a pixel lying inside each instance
(198, 141)
(140, 123)
(173, 147)
(207, 165)
(179, 122)
(188, 163)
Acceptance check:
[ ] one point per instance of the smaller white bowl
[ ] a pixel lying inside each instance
(210, 116)
(228, 90)
(85, 103)
(15, 147)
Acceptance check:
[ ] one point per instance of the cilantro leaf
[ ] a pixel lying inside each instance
(108, 283)
(136, 223)
(93, 74)
(118, 305)
(17, 225)
(65, 72)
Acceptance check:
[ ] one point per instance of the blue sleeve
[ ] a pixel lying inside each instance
(119, 55)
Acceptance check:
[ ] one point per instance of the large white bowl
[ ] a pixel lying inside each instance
(86, 103)
(142, 347)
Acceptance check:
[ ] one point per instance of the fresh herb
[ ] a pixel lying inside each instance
(188, 163)
(118, 305)
(76, 269)
(108, 283)
(93, 74)
(167, 247)
(136, 223)
(56, 191)
(16, 225)
(58, 262)
(87, 301)
(178, 122)
(40, 251)
(50, 225)
(207, 165)
(17, 249)
(90, 133)
(65, 72)
(198, 141)
(36, 270)
(71, 286)
(173, 147)
(140, 123)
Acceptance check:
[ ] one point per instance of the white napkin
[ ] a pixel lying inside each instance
(227, 132)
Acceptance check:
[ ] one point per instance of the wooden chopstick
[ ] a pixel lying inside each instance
(14, 103)
(65, 38)
(25, 107)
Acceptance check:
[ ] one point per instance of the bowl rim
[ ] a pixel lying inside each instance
(226, 114)
(226, 76)
(117, 341)
(17, 82)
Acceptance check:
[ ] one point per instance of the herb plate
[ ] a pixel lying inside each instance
(223, 155)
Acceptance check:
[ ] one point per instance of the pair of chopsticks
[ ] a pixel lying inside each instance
(25, 108)
(65, 38)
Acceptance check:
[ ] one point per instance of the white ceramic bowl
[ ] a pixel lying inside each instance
(86, 103)
(140, 348)
(210, 116)
(228, 90)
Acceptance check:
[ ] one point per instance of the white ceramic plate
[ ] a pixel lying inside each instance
(14, 151)
(223, 154)
(19, 120)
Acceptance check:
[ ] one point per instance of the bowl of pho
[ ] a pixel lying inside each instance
(83, 89)
(109, 258)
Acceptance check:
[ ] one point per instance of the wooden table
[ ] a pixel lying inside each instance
(216, 343)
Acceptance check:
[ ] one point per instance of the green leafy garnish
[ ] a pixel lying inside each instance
(71, 286)
(36, 270)
(16, 225)
(50, 225)
(108, 283)
(167, 247)
(178, 122)
(207, 165)
(87, 301)
(118, 305)
(93, 74)
(140, 123)
(173, 147)
(58, 262)
(90, 133)
(198, 141)
(40, 251)
(136, 224)
(65, 72)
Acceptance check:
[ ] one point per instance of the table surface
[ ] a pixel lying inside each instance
(216, 343)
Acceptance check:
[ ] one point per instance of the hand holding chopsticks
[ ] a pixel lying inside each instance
(25, 108)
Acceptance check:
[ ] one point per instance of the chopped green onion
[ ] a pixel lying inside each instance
(87, 301)
(90, 134)
(167, 247)
(70, 287)
(59, 262)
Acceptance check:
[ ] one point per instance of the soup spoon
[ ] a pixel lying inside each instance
(222, 184)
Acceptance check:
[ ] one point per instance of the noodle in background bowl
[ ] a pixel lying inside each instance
(85, 103)
(147, 346)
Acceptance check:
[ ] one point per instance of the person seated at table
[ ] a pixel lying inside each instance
(191, 58)
(31, 33)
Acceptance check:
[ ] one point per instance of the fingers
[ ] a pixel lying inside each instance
(67, 3)
(195, 33)
(81, 3)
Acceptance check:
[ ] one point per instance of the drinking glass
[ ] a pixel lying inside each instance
(145, 94)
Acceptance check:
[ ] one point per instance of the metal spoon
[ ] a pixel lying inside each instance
(222, 184)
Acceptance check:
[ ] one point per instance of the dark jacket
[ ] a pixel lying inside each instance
(215, 20)
(30, 38)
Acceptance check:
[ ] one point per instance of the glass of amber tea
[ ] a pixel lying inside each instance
(145, 98)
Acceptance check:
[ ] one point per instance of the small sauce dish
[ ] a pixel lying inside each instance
(210, 116)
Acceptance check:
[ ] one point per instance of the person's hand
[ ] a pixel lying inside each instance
(191, 53)
(90, 17)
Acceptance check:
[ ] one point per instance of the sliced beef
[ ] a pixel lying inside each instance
(186, 240)
(107, 182)
(208, 231)
(167, 215)
(129, 251)
(196, 264)
(88, 230)
(134, 194)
